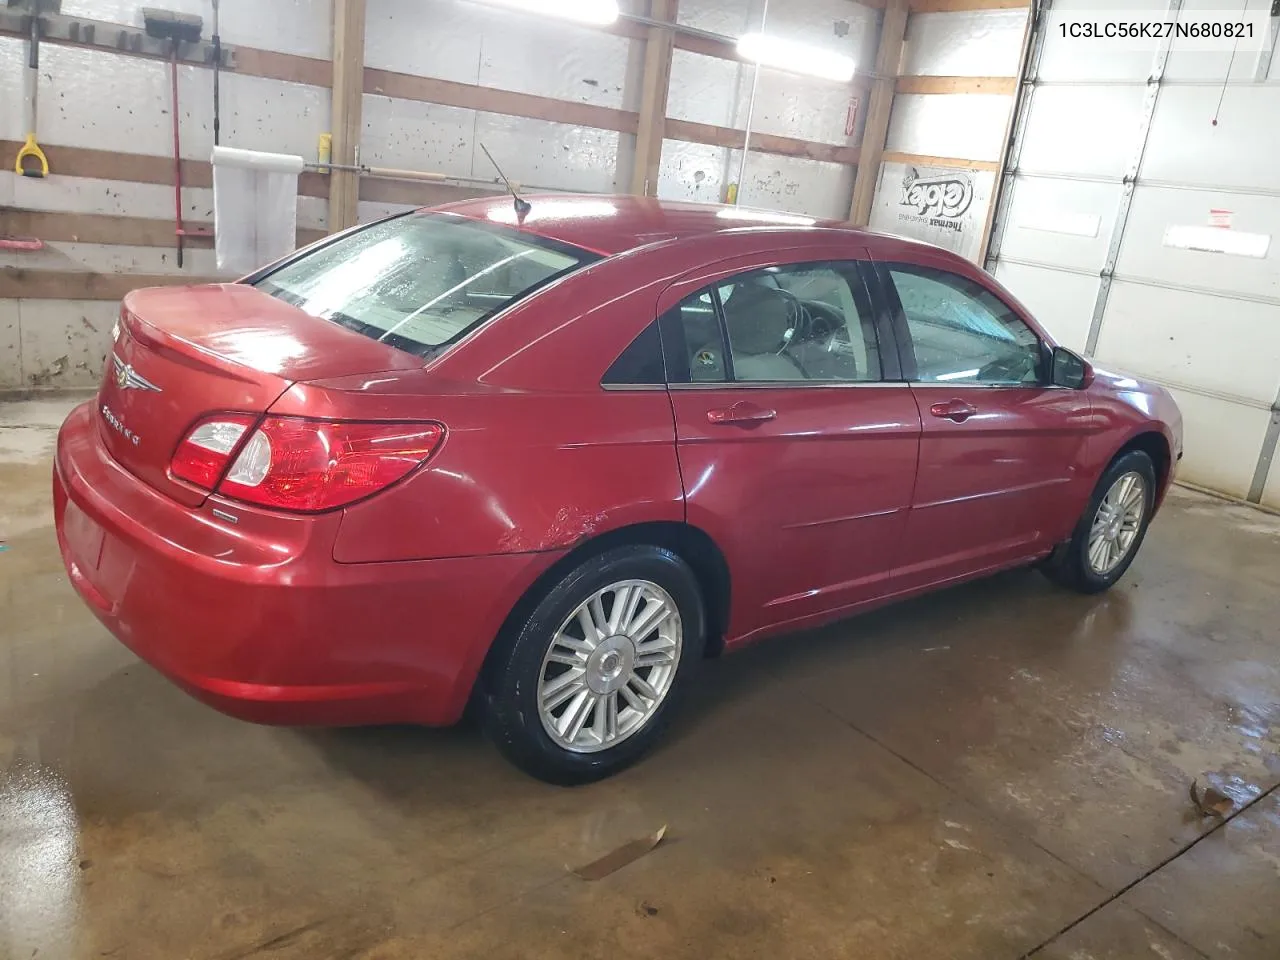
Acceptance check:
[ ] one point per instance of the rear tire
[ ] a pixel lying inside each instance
(1111, 530)
(586, 684)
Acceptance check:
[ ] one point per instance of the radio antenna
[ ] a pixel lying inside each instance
(523, 207)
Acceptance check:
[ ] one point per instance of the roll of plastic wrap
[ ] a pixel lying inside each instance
(256, 160)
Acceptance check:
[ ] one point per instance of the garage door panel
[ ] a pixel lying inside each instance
(1071, 59)
(1240, 151)
(1155, 209)
(1221, 442)
(1063, 222)
(1090, 130)
(1271, 492)
(1187, 64)
(1062, 302)
(1230, 347)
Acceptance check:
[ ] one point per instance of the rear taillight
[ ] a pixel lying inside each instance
(308, 465)
(203, 456)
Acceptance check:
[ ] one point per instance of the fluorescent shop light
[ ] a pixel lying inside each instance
(796, 57)
(599, 12)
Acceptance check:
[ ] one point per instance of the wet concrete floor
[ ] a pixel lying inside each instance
(998, 771)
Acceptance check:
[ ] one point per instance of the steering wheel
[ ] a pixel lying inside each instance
(799, 321)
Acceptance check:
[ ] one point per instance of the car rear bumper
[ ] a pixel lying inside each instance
(257, 619)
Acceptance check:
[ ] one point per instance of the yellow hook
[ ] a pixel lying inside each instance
(31, 149)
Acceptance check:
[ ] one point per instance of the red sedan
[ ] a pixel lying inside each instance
(549, 461)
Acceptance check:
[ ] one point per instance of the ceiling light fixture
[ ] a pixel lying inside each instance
(595, 12)
(796, 57)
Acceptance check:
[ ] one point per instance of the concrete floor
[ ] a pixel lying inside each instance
(999, 771)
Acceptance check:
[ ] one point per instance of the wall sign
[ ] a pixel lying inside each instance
(851, 117)
(940, 205)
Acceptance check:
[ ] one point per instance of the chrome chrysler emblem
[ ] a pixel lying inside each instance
(127, 379)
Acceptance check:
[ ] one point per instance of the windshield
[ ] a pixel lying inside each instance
(420, 282)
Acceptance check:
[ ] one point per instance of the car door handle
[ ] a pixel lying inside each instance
(742, 412)
(955, 410)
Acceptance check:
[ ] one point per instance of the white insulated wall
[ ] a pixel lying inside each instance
(1205, 324)
(104, 101)
(964, 126)
(712, 91)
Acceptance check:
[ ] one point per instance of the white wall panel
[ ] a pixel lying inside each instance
(1221, 440)
(411, 135)
(12, 104)
(547, 154)
(708, 89)
(302, 27)
(796, 185)
(981, 43)
(493, 47)
(98, 99)
(64, 342)
(1062, 302)
(1043, 211)
(1089, 130)
(691, 171)
(718, 92)
(967, 126)
(1154, 210)
(1240, 151)
(10, 349)
(1227, 347)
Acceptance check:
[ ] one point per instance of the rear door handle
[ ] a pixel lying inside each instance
(957, 411)
(743, 412)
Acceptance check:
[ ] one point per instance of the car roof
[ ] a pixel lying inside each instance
(609, 225)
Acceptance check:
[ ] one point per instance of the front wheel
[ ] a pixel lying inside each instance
(1112, 528)
(586, 683)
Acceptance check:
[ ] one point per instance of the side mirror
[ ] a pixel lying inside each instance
(1070, 370)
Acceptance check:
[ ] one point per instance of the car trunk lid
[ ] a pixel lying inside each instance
(182, 353)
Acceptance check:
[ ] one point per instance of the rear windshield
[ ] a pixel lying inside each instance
(422, 281)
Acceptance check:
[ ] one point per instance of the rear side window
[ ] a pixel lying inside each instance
(422, 281)
(641, 363)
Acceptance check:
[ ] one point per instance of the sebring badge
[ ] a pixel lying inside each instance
(118, 426)
(127, 379)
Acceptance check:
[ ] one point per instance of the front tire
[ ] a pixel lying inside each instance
(585, 685)
(1112, 529)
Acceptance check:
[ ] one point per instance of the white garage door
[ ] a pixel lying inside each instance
(1145, 233)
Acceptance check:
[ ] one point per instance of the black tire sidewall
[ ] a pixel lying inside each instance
(512, 713)
(1136, 461)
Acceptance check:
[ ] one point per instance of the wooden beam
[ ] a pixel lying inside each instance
(138, 167)
(68, 285)
(960, 6)
(469, 96)
(348, 98)
(893, 27)
(654, 87)
(926, 160)
(947, 85)
(57, 226)
(691, 132)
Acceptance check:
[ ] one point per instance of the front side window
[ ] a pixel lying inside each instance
(801, 323)
(422, 281)
(962, 332)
